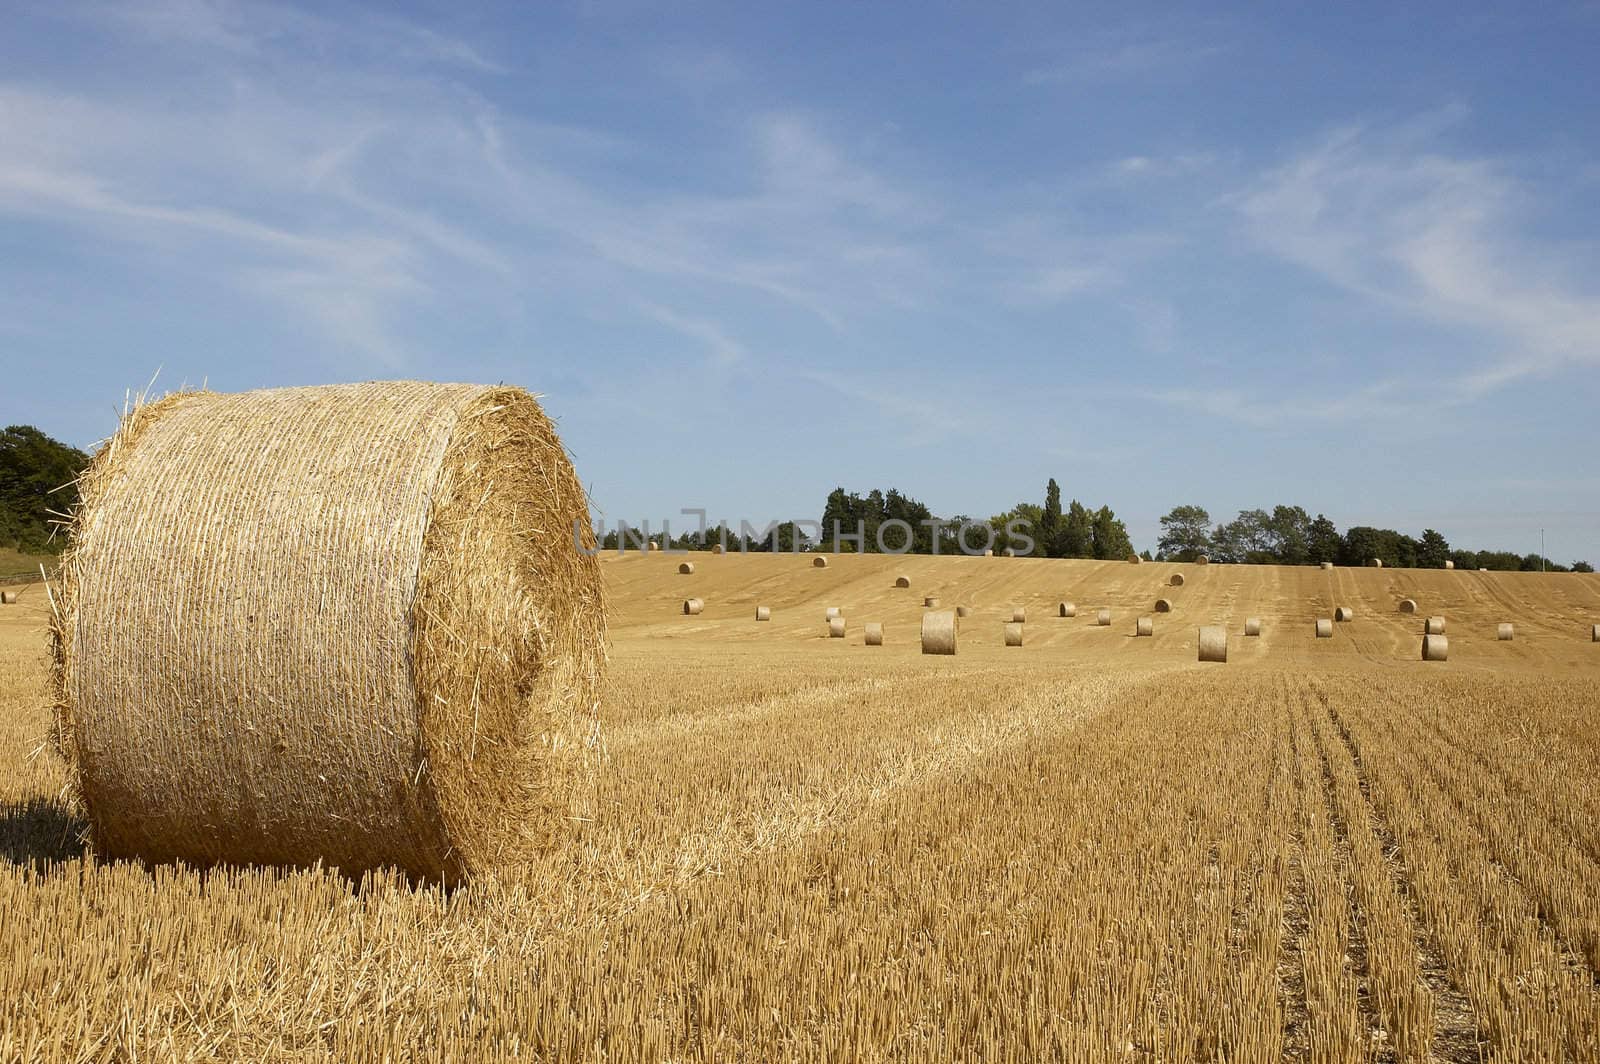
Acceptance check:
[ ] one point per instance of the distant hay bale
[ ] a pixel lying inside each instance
(693, 606)
(902, 581)
(831, 612)
(1376, 563)
(819, 562)
(1102, 619)
(652, 545)
(1594, 634)
(1504, 632)
(962, 611)
(1163, 606)
(1324, 628)
(835, 627)
(1213, 643)
(1175, 580)
(939, 632)
(1483, 568)
(1252, 626)
(874, 633)
(1327, 565)
(1019, 614)
(763, 613)
(1434, 626)
(1449, 564)
(1134, 559)
(686, 567)
(8, 598)
(988, 553)
(1435, 648)
(1011, 552)
(1343, 614)
(1067, 609)
(930, 602)
(717, 549)
(1202, 560)
(426, 706)
(1144, 626)
(1014, 634)
(1408, 605)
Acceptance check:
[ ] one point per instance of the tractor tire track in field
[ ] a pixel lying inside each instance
(1455, 1037)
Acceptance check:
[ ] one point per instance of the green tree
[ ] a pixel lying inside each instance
(1110, 535)
(1185, 534)
(1077, 533)
(1322, 541)
(1433, 550)
(38, 485)
(1050, 521)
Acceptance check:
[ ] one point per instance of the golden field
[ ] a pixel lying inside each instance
(1086, 848)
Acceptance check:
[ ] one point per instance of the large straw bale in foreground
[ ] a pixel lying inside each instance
(1014, 634)
(1213, 643)
(1435, 648)
(939, 632)
(421, 699)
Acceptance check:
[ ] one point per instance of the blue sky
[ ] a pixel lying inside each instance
(751, 252)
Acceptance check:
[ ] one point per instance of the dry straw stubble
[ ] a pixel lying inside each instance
(429, 710)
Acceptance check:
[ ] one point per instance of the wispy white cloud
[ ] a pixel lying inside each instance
(1440, 238)
(1123, 54)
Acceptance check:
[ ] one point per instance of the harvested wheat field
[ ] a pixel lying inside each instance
(1087, 848)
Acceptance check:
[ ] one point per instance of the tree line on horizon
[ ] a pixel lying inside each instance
(38, 483)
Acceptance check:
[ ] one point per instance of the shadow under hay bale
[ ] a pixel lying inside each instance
(40, 831)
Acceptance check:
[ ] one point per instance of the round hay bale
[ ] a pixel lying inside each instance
(1163, 606)
(1343, 614)
(1144, 626)
(1594, 634)
(1202, 560)
(835, 627)
(1213, 643)
(652, 546)
(1014, 634)
(1433, 626)
(686, 568)
(939, 632)
(988, 553)
(1435, 648)
(902, 581)
(1019, 614)
(1011, 552)
(718, 548)
(1408, 605)
(428, 707)
(1324, 628)
(1102, 619)
(874, 631)
(8, 598)
(819, 562)
(1376, 563)
(1448, 564)
(1067, 609)
(1327, 565)
(1483, 568)
(930, 602)
(1504, 632)
(831, 612)
(962, 611)
(1134, 559)
(1252, 626)
(693, 606)
(1175, 580)
(763, 613)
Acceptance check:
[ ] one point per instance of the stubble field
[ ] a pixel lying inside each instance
(1086, 848)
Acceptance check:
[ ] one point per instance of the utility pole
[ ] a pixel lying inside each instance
(1541, 550)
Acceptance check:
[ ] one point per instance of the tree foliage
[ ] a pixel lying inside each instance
(38, 484)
